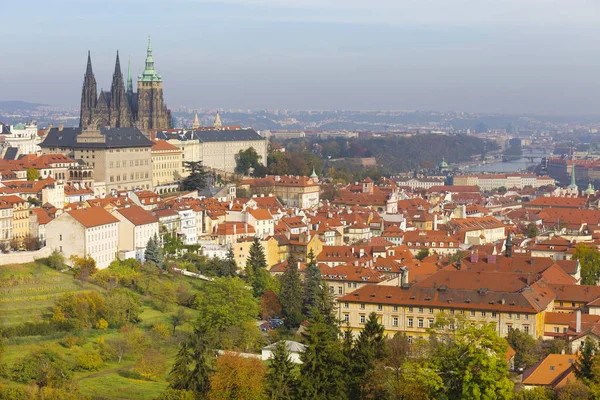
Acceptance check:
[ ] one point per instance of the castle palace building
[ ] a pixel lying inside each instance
(121, 107)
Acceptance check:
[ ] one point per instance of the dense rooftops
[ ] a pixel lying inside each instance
(114, 138)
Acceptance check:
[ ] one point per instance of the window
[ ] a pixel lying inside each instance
(526, 316)
(349, 284)
(379, 307)
(362, 319)
(526, 329)
(340, 290)
(362, 306)
(346, 317)
(346, 305)
(395, 321)
(572, 304)
(420, 310)
(509, 315)
(431, 311)
(430, 323)
(518, 316)
(420, 323)
(410, 340)
(331, 289)
(451, 312)
(472, 313)
(410, 322)
(494, 314)
(410, 309)
(60, 237)
(509, 328)
(395, 308)
(483, 313)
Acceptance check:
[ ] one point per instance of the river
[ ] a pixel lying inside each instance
(518, 165)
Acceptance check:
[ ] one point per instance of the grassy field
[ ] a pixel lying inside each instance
(28, 291)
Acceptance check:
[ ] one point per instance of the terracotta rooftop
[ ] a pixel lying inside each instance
(137, 215)
(93, 216)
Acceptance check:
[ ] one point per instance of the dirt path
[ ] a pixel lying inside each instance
(108, 371)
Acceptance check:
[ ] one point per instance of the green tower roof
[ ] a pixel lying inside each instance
(314, 174)
(149, 74)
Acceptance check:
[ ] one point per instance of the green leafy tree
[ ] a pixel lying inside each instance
(121, 306)
(528, 351)
(33, 174)
(368, 350)
(44, 368)
(225, 302)
(324, 370)
(589, 259)
(531, 230)
(246, 159)
(584, 365)
(575, 390)
(56, 260)
(290, 295)
(191, 369)
(538, 393)
(153, 252)
(422, 254)
(178, 319)
(471, 360)
(197, 175)
(281, 377)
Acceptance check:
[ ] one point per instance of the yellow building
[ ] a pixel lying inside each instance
(167, 166)
(20, 216)
(413, 310)
(274, 253)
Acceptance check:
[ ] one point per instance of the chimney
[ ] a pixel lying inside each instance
(404, 271)
(529, 279)
(235, 229)
(435, 222)
(60, 127)
(578, 324)
(491, 259)
(474, 256)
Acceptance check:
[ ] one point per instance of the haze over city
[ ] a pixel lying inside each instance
(507, 57)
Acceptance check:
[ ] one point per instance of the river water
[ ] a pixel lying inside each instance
(518, 165)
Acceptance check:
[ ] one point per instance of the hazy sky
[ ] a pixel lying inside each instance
(511, 56)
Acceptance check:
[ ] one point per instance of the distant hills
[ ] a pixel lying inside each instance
(15, 105)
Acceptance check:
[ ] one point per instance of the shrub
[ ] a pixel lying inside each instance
(102, 324)
(151, 365)
(87, 360)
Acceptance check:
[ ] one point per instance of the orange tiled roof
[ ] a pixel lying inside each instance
(93, 216)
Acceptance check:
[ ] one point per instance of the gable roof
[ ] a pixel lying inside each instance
(93, 216)
(137, 215)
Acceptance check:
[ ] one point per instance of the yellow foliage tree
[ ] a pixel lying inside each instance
(237, 378)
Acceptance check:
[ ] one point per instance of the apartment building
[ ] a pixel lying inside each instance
(88, 231)
(135, 230)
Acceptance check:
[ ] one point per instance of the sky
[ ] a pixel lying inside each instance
(497, 56)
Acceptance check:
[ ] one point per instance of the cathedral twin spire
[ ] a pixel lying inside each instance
(122, 107)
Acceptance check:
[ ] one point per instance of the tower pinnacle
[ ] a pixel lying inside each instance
(196, 123)
(129, 79)
(573, 180)
(89, 71)
(217, 124)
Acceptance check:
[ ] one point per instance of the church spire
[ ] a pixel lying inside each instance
(196, 123)
(89, 71)
(573, 180)
(149, 74)
(117, 65)
(129, 80)
(218, 124)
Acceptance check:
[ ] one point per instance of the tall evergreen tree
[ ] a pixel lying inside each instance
(324, 370)
(584, 364)
(281, 375)
(153, 252)
(191, 368)
(256, 268)
(290, 295)
(197, 177)
(229, 267)
(313, 283)
(368, 349)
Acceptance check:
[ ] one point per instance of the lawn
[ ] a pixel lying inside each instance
(27, 291)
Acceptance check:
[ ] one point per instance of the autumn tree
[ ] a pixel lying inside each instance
(151, 365)
(84, 267)
(269, 305)
(33, 174)
(237, 378)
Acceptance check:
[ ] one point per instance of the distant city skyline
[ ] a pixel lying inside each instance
(509, 56)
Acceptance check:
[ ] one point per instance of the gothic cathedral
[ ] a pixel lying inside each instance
(122, 107)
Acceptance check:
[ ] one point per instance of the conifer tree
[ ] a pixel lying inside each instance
(256, 268)
(281, 375)
(324, 370)
(368, 349)
(584, 364)
(191, 368)
(312, 283)
(153, 252)
(290, 296)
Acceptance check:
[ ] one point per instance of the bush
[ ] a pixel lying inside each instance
(151, 365)
(71, 341)
(87, 361)
(102, 324)
(56, 260)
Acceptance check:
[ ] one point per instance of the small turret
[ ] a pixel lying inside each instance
(218, 124)
(196, 123)
(509, 246)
